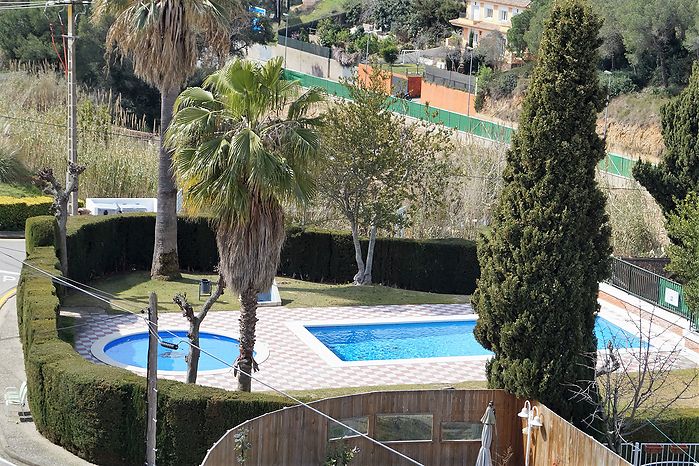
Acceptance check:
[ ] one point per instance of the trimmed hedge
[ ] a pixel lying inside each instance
(98, 246)
(681, 425)
(96, 411)
(438, 266)
(40, 231)
(14, 211)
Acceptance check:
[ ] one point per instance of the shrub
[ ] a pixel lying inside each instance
(502, 85)
(98, 412)
(479, 102)
(98, 246)
(439, 266)
(39, 232)
(14, 212)
(679, 424)
(620, 83)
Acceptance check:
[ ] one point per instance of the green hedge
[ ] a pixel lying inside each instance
(681, 425)
(99, 246)
(14, 211)
(97, 411)
(40, 231)
(439, 266)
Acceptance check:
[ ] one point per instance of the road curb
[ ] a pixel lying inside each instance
(11, 235)
(7, 296)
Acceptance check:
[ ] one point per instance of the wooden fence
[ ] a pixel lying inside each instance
(559, 443)
(446, 422)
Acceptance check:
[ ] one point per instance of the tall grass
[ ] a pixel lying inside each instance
(120, 161)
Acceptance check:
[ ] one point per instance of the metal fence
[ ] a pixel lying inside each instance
(653, 288)
(450, 79)
(612, 163)
(661, 454)
(307, 47)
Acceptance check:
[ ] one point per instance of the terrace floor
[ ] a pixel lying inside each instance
(294, 365)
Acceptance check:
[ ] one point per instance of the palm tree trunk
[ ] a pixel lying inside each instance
(357, 255)
(248, 319)
(366, 279)
(194, 352)
(165, 260)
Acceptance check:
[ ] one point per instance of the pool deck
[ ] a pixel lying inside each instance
(294, 365)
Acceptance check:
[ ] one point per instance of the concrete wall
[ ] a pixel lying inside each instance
(304, 62)
(448, 99)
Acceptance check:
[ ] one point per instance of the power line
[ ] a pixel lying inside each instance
(58, 125)
(281, 392)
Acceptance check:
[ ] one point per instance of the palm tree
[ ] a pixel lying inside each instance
(164, 38)
(245, 144)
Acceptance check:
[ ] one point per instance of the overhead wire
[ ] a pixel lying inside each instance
(80, 288)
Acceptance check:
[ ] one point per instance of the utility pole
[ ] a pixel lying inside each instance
(72, 111)
(152, 391)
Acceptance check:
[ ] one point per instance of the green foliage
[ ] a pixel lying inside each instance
(540, 10)
(14, 212)
(428, 21)
(98, 412)
(389, 13)
(389, 52)
(502, 85)
(438, 266)
(326, 31)
(678, 171)
(679, 424)
(548, 245)
(515, 35)
(99, 246)
(11, 168)
(479, 102)
(620, 83)
(683, 228)
(40, 232)
(25, 36)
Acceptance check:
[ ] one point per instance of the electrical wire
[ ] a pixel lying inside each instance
(58, 125)
(152, 331)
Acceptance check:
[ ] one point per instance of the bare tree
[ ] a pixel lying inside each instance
(195, 321)
(632, 384)
(47, 180)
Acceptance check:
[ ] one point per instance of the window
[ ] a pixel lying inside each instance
(455, 431)
(503, 15)
(489, 12)
(336, 431)
(403, 427)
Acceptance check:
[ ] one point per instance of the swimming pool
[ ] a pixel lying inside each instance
(130, 351)
(442, 339)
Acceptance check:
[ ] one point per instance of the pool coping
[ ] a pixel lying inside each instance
(97, 350)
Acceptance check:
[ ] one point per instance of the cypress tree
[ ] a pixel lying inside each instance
(548, 246)
(678, 172)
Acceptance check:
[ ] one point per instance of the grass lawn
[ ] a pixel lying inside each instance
(133, 289)
(17, 190)
(407, 68)
(320, 10)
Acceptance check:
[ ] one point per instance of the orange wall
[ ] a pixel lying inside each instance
(365, 71)
(447, 98)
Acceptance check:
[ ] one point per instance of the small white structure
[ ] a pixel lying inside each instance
(120, 205)
(270, 298)
(125, 205)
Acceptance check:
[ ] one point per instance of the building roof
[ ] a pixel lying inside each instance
(517, 3)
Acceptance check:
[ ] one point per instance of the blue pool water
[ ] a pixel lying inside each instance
(133, 350)
(427, 339)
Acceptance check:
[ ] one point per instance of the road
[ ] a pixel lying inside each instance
(10, 267)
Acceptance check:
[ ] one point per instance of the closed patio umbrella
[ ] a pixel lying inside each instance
(488, 421)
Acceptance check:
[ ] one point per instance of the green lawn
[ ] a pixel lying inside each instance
(133, 290)
(16, 190)
(320, 10)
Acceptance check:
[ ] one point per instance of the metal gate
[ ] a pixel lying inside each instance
(661, 454)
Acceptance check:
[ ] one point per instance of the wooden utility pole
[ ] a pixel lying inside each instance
(152, 395)
(72, 110)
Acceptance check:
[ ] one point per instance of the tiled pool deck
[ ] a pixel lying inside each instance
(293, 365)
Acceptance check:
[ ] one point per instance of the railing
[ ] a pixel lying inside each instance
(612, 163)
(653, 288)
(661, 454)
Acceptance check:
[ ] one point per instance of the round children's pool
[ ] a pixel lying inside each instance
(130, 351)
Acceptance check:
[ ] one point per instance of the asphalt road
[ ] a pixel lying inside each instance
(10, 266)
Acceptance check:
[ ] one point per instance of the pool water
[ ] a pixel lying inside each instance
(412, 340)
(132, 350)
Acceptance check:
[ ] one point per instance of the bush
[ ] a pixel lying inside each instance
(98, 246)
(679, 424)
(14, 212)
(98, 412)
(479, 102)
(620, 83)
(438, 266)
(502, 85)
(40, 231)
